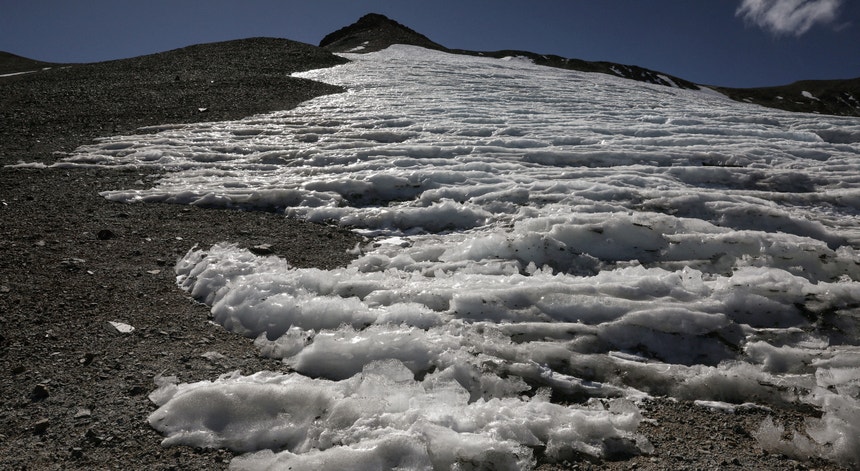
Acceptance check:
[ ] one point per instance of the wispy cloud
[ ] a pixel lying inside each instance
(789, 16)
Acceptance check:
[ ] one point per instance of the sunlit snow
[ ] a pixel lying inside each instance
(542, 238)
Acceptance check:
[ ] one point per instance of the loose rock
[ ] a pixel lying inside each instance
(105, 234)
(120, 327)
(41, 426)
(39, 393)
(262, 249)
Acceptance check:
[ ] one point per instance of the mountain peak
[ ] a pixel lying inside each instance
(373, 32)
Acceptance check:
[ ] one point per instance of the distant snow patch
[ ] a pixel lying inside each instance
(18, 73)
(362, 47)
(28, 165)
(518, 59)
(668, 80)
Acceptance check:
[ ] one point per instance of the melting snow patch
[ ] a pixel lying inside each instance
(382, 418)
(38, 165)
(668, 80)
(542, 233)
(518, 59)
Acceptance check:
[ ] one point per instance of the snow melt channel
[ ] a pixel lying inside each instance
(558, 235)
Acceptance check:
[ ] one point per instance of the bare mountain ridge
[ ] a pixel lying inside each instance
(835, 97)
(374, 32)
(11, 64)
(217, 81)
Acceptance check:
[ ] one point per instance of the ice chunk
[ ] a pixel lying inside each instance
(382, 417)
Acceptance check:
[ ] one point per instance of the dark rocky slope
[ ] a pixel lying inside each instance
(209, 82)
(11, 63)
(374, 32)
(73, 390)
(836, 97)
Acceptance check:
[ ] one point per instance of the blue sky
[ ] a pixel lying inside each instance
(741, 43)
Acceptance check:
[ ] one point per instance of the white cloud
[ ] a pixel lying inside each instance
(789, 16)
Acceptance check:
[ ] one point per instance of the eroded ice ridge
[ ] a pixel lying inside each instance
(552, 231)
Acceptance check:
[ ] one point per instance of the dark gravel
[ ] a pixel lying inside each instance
(60, 108)
(73, 392)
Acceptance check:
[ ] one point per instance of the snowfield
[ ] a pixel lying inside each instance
(548, 247)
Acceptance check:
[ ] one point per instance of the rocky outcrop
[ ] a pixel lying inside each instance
(837, 97)
(373, 32)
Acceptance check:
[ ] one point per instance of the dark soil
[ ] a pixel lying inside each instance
(60, 108)
(73, 390)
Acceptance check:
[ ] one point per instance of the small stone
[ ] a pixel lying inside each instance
(41, 426)
(4, 289)
(16, 370)
(93, 437)
(105, 234)
(72, 263)
(83, 413)
(39, 393)
(137, 390)
(120, 327)
(87, 359)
